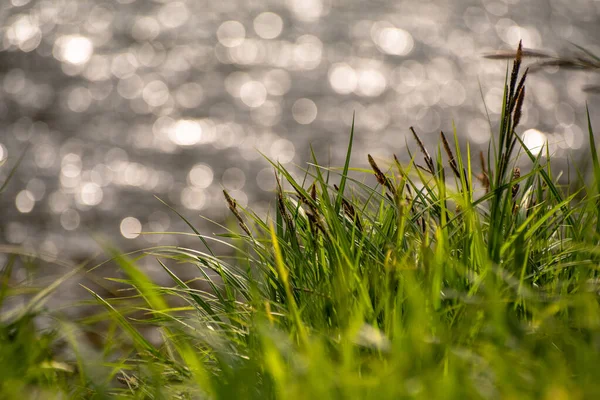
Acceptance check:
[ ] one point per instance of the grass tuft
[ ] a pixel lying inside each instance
(424, 286)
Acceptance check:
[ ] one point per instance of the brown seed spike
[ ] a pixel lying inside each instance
(232, 204)
(519, 87)
(377, 172)
(349, 209)
(482, 160)
(483, 177)
(245, 228)
(516, 175)
(451, 159)
(428, 159)
(522, 81)
(380, 176)
(514, 74)
(518, 107)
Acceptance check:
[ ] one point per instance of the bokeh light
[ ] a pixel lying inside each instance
(233, 178)
(253, 94)
(304, 111)
(73, 49)
(130, 227)
(392, 40)
(186, 132)
(121, 101)
(342, 78)
(25, 201)
(201, 176)
(25, 33)
(534, 140)
(268, 25)
(70, 219)
(231, 33)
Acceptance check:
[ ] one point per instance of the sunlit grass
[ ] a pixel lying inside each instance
(432, 283)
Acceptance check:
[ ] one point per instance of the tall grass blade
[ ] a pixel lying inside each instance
(344, 177)
(595, 165)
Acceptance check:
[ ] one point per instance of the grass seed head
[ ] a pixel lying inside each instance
(451, 159)
(380, 176)
(349, 209)
(515, 72)
(232, 205)
(516, 175)
(483, 177)
(518, 107)
(426, 156)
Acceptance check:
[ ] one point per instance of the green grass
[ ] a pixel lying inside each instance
(432, 283)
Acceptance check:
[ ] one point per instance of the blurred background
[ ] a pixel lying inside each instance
(121, 100)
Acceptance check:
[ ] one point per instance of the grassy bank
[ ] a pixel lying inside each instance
(436, 282)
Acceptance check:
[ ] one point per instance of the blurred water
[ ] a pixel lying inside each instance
(121, 100)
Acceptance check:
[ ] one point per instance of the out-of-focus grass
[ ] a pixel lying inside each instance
(432, 283)
(582, 60)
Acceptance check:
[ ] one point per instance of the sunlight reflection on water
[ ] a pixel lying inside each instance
(124, 99)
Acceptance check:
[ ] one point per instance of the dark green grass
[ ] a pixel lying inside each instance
(434, 283)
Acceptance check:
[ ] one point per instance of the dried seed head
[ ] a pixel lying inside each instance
(483, 177)
(523, 78)
(245, 228)
(232, 204)
(521, 85)
(485, 181)
(516, 175)
(428, 159)
(380, 176)
(349, 210)
(518, 107)
(312, 212)
(451, 159)
(515, 73)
